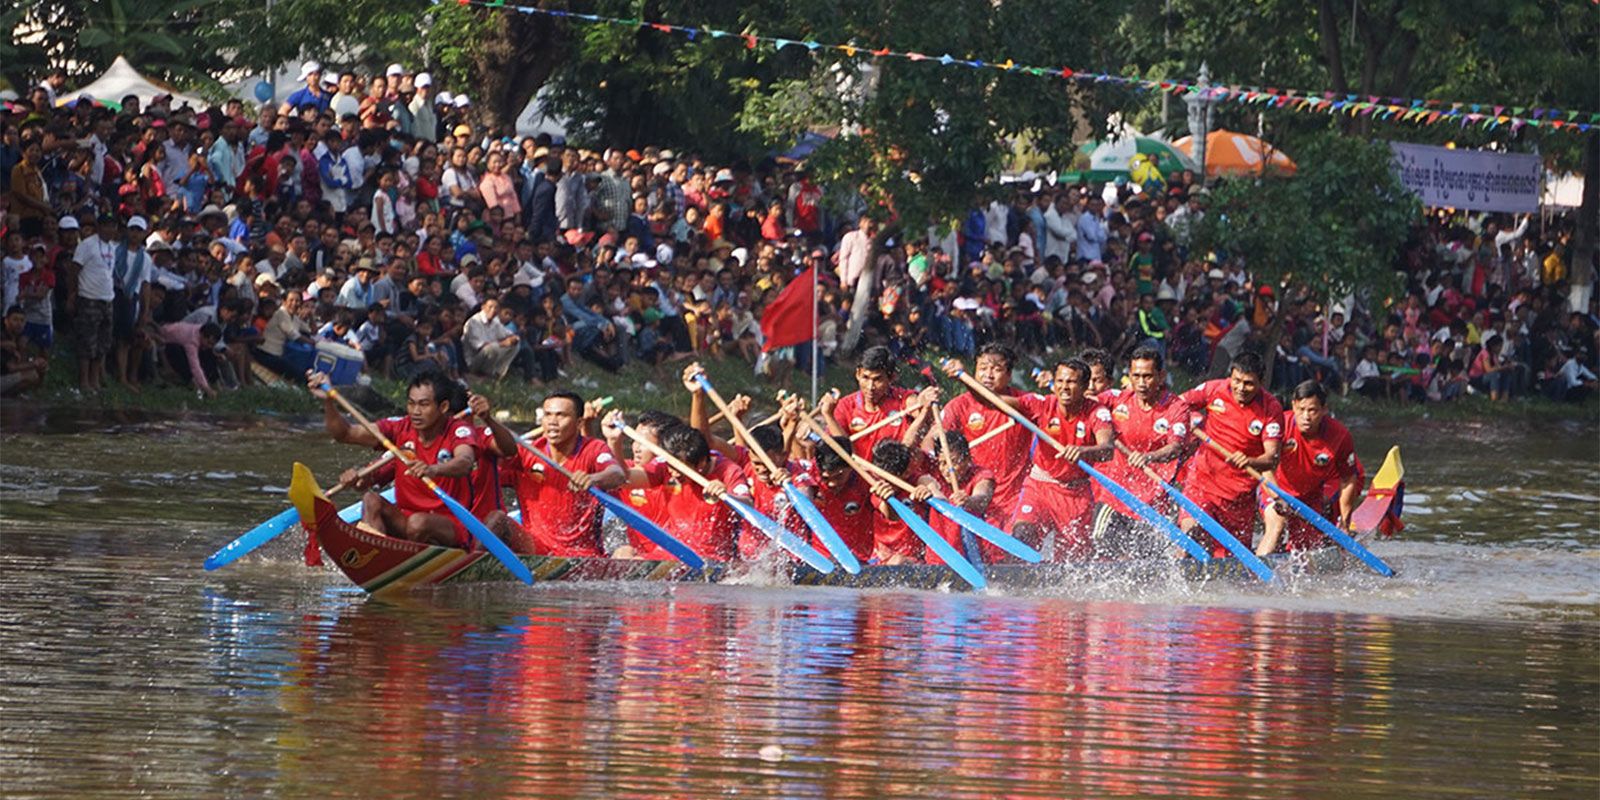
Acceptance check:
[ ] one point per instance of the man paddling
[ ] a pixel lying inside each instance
(877, 399)
(1317, 450)
(559, 516)
(647, 500)
(1004, 454)
(845, 501)
(1150, 423)
(443, 448)
(696, 516)
(1249, 423)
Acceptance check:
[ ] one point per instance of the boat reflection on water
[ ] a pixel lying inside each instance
(863, 695)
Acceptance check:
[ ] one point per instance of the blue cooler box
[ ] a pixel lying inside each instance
(299, 356)
(341, 364)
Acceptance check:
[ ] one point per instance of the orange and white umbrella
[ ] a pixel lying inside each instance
(1229, 153)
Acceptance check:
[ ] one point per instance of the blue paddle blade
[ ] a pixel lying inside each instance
(1344, 540)
(978, 525)
(351, 513)
(482, 533)
(937, 544)
(254, 538)
(781, 535)
(1149, 514)
(649, 530)
(819, 524)
(1221, 534)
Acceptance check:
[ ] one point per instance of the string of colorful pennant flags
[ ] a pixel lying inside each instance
(1413, 110)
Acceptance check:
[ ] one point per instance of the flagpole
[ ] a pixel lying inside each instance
(814, 326)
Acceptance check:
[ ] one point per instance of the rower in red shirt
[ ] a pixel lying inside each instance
(698, 518)
(972, 490)
(1316, 449)
(1152, 422)
(649, 501)
(445, 450)
(893, 540)
(1004, 454)
(1246, 420)
(1102, 383)
(845, 501)
(877, 399)
(1056, 497)
(559, 517)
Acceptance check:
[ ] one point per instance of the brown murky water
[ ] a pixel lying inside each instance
(127, 670)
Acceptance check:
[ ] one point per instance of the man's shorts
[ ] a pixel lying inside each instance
(1065, 509)
(93, 328)
(42, 335)
(1236, 514)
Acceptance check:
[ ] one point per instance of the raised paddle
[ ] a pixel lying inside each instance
(1307, 513)
(1010, 423)
(269, 530)
(756, 519)
(894, 416)
(1212, 526)
(797, 499)
(629, 517)
(769, 419)
(930, 537)
(1117, 490)
(473, 525)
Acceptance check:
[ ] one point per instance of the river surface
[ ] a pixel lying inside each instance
(129, 671)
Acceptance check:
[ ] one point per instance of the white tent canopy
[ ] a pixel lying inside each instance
(1563, 190)
(122, 80)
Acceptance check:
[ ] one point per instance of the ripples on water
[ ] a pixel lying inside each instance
(127, 670)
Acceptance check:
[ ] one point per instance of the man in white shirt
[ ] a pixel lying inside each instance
(358, 292)
(226, 157)
(178, 146)
(490, 346)
(130, 278)
(1092, 231)
(1060, 228)
(854, 250)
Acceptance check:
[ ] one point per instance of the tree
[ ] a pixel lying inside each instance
(1333, 229)
(164, 38)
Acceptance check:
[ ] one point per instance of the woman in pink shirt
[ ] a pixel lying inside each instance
(497, 189)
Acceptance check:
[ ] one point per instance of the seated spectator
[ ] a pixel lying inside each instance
(22, 368)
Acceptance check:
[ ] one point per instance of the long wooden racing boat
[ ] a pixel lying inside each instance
(384, 565)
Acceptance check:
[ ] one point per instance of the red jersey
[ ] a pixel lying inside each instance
(651, 501)
(850, 511)
(487, 478)
(1240, 429)
(771, 500)
(1144, 431)
(1310, 461)
(411, 494)
(946, 527)
(851, 413)
(890, 533)
(1075, 429)
(560, 521)
(708, 527)
(1005, 454)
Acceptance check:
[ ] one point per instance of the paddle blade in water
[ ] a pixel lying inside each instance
(781, 535)
(254, 538)
(819, 524)
(649, 530)
(1221, 534)
(978, 525)
(1322, 524)
(482, 533)
(1149, 514)
(937, 544)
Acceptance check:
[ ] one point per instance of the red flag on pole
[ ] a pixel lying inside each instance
(791, 317)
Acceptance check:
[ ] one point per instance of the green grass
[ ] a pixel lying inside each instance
(637, 387)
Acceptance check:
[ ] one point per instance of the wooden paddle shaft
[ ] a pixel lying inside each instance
(657, 451)
(1010, 423)
(945, 464)
(373, 429)
(995, 400)
(384, 459)
(889, 420)
(739, 430)
(1128, 451)
(1226, 453)
(767, 420)
(860, 465)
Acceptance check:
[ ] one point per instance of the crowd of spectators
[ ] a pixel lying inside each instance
(209, 247)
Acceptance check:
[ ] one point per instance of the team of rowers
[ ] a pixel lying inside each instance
(971, 452)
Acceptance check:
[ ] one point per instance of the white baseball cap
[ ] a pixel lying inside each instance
(444, 98)
(307, 69)
(423, 80)
(139, 222)
(68, 223)
(393, 70)
(461, 101)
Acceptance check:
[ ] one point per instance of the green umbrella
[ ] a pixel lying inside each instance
(1105, 161)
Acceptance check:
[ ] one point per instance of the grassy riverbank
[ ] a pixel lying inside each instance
(638, 386)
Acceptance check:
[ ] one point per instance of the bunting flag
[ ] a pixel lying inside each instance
(1391, 109)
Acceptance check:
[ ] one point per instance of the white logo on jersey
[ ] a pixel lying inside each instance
(1350, 460)
(1082, 430)
(1027, 509)
(852, 507)
(604, 458)
(1102, 414)
(1274, 430)
(463, 432)
(1291, 446)
(1255, 427)
(1162, 425)
(1179, 429)
(443, 456)
(1322, 459)
(1219, 405)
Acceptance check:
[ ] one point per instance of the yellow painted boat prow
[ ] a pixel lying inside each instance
(303, 493)
(1392, 472)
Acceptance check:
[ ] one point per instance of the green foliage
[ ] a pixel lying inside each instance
(1335, 227)
(168, 39)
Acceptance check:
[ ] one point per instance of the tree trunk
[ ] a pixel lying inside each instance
(1269, 348)
(514, 60)
(1584, 238)
(866, 289)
